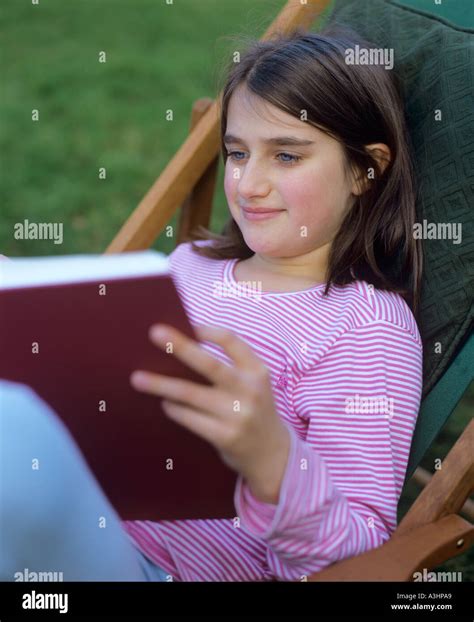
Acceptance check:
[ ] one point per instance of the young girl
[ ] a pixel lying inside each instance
(302, 306)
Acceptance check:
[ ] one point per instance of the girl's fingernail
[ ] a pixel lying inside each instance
(139, 380)
(159, 333)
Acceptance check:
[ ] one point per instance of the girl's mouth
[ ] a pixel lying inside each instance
(261, 214)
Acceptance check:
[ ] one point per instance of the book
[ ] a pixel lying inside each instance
(74, 328)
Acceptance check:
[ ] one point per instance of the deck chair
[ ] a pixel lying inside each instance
(432, 531)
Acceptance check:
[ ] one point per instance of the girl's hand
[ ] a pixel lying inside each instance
(237, 415)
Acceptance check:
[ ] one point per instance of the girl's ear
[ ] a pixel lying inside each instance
(381, 153)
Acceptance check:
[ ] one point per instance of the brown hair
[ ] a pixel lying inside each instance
(357, 105)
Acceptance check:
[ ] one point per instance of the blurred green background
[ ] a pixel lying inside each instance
(112, 115)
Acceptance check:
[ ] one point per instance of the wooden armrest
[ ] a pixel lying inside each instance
(399, 558)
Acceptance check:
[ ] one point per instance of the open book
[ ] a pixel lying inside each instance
(74, 328)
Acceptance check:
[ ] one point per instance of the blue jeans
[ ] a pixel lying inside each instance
(52, 508)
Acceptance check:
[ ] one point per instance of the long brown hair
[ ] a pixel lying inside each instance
(357, 105)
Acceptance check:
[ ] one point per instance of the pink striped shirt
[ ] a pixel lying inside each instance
(346, 373)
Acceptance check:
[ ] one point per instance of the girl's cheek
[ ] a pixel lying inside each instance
(230, 184)
(308, 203)
(300, 196)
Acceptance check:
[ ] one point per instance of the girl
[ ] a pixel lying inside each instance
(302, 306)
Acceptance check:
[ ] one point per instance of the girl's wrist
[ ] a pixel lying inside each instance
(267, 473)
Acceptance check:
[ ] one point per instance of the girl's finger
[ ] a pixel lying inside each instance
(237, 349)
(208, 399)
(194, 356)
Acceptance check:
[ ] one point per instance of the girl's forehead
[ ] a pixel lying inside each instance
(246, 109)
(244, 103)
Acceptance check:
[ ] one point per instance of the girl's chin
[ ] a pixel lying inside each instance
(261, 246)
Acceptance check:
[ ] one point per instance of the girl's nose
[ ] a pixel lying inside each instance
(253, 181)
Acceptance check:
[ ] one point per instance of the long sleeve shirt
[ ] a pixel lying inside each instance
(346, 372)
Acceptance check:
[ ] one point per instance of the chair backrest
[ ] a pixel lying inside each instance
(440, 403)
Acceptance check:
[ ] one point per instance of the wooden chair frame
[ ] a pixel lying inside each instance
(432, 530)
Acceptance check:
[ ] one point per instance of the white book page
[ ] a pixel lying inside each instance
(37, 271)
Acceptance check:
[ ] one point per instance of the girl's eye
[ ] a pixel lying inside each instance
(292, 158)
(233, 154)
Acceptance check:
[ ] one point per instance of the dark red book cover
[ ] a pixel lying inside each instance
(87, 346)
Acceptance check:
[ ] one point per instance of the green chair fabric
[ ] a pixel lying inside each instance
(434, 61)
(440, 403)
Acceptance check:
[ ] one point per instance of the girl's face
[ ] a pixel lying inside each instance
(307, 182)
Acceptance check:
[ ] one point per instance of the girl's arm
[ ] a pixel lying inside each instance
(344, 477)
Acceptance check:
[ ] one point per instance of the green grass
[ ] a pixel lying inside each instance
(112, 115)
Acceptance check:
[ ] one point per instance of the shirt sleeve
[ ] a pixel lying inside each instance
(344, 476)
